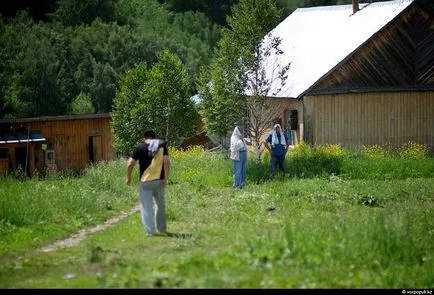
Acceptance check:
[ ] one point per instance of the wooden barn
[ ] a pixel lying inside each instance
(359, 74)
(55, 143)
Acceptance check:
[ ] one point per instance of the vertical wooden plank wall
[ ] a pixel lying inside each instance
(309, 119)
(70, 140)
(372, 118)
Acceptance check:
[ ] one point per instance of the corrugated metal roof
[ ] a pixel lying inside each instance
(314, 40)
(56, 118)
(21, 137)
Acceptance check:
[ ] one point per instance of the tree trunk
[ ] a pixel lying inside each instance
(257, 146)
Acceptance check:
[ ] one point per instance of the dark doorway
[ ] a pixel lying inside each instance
(21, 160)
(4, 161)
(95, 149)
(91, 154)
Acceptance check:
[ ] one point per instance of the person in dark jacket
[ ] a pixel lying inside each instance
(277, 144)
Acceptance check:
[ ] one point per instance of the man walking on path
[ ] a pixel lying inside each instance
(154, 164)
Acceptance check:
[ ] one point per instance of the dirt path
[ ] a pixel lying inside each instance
(76, 238)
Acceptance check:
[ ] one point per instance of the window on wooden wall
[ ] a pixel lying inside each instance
(291, 119)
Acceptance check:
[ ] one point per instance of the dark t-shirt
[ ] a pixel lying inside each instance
(141, 153)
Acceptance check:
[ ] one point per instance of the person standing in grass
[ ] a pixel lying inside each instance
(279, 146)
(238, 155)
(154, 165)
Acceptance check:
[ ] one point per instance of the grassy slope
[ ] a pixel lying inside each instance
(297, 233)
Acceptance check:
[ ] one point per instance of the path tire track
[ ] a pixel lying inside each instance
(76, 238)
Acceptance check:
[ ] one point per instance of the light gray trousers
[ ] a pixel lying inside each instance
(153, 208)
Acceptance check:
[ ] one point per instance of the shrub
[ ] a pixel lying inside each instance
(191, 151)
(302, 149)
(330, 150)
(413, 150)
(375, 151)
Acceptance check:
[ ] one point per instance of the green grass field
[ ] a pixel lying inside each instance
(339, 219)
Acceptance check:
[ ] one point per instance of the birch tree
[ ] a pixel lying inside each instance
(239, 70)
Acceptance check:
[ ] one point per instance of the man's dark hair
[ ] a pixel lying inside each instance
(149, 134)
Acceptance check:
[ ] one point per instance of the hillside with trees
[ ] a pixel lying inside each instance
(62, 57)
(72, 62)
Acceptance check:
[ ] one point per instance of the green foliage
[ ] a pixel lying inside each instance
(359, 230)
(197, 24)
(156, 98)
(222, 86)
(311, 161)
(96, 60)
(410, 160)
(259, 172)
(77, 12)
(219, 106)
(136, 11)
(192, 37)
(82, 105)
(375, 151)
(387, 168)
(34, 80)
(369, 162)
(413, 150)
(249, 22)
(215, 10)
(126, 121)
(103, 86)
(189, 35)
(175, 116)
(60, 205)
(306, 161)
(84, 48)
(187, 167)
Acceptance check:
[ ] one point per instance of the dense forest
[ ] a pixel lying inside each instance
(67, 56)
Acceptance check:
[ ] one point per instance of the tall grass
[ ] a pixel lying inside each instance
(340, 218)
(199, 167)
(68, 203)
(369, 162)
(60, 205)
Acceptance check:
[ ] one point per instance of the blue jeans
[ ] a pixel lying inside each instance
(277, 162)
(239, 170)
(150, 192)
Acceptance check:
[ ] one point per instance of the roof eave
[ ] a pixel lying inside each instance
(323, 77)
(370, 89)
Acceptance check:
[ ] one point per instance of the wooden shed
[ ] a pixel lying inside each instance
(55, 143)
(362, 74)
